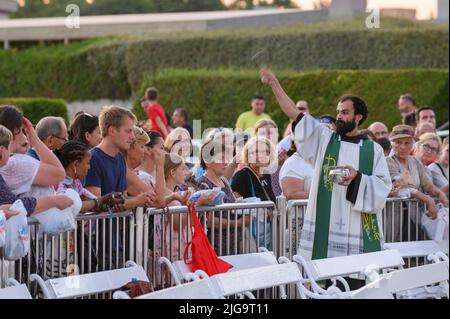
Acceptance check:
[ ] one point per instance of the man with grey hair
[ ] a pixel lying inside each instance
(52, 131)
(379, 130)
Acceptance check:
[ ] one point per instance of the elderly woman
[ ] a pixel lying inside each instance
(427, 152)
(440, 167)
(409, 178)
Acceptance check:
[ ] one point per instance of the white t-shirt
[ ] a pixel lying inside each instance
(439, 177)
(285, 144)
(296, 167)
(20, 172)
(146, 178)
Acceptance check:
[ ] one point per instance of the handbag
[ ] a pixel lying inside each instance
(437, 229)
(261, 222)
(136, 288)
(17, 233)
(2, 229)
(56, 221)
(203, 255)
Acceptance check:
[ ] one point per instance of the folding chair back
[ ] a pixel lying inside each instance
(420, 248)
(232, 283)
(89, 284)
(327, 268)
(15, 292)
(201, 289)
(239, 262)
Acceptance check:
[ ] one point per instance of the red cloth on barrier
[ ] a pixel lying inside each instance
(203, 255)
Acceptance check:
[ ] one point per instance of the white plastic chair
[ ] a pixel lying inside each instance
(367, 265)
(89, 284)
(200, 289)
(181, 272)
(14, 290)
(420, 248)
(414, 283)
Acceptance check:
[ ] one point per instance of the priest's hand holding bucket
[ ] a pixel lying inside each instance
(348, 178)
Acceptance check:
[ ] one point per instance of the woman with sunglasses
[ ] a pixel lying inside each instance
(85, 129)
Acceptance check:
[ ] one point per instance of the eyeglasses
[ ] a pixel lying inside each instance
(430, 149)
(65, 139)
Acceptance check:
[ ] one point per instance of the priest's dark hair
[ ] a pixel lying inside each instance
(359, 106)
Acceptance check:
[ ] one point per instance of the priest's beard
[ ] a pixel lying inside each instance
(342, 128)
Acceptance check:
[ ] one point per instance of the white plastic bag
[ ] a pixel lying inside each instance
(437, 229)
(17, 235)
(55, 221)
(2, 229)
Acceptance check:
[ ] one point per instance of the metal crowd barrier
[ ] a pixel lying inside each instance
(99, 242)
(106, 241)
(166, 236)
(400, 220)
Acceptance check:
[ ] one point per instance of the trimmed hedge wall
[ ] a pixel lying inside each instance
(84, 70)
(337, 49)
(219, 96)
(36, 108)
(114, 67)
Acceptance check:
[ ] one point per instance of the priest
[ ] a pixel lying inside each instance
(341, 218)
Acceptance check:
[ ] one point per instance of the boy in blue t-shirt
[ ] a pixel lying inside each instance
(107, 171)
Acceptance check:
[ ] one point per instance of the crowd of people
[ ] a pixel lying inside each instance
(118, 164)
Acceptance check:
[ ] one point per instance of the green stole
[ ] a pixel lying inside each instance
(371, 240)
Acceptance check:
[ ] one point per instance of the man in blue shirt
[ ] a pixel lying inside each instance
(107, 173)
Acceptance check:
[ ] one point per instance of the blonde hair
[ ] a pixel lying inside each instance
(5, 136)
(175, 137)
(171, 161)
(219, 133)
(264, 122)
(113, 116)
(252, 143)
(140, 136)
(429, 136)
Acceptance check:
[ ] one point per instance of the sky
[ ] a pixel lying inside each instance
(424, 7)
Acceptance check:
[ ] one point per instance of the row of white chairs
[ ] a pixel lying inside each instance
(389, 261)
(252, 272)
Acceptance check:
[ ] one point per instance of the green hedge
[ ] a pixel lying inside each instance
(36, 108)
(84, 70)
(114, 67)
(296, 49)
(219, 96)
